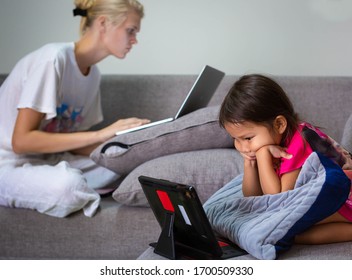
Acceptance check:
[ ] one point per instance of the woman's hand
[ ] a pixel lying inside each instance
(28, 138)
(108, 132)
(122, 124)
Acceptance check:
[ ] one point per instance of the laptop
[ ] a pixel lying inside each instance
(198, 97)
(186, 232)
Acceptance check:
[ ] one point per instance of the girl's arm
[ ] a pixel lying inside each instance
(288, 180)
(251, 185)
(27, 138)
(269, 180)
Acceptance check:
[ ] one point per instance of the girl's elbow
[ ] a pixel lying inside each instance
(272, 190)
(18, 146)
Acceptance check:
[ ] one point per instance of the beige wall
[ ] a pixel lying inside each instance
(280, 37)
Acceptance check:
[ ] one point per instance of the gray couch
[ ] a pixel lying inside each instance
(123, 229)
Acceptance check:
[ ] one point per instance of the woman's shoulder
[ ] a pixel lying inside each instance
(56, 55)
(47, 53)
(56, 50)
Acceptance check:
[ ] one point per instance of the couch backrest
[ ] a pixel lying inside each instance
(323, 101)
(2, 78)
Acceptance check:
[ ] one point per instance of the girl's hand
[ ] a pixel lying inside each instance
(122, 124)
(248, 157)
(276, 151)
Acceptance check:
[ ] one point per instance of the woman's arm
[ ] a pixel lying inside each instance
(27, 138)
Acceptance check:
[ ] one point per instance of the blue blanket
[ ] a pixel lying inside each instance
(266, 225)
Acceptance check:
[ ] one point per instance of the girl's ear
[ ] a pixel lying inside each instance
(280, 124)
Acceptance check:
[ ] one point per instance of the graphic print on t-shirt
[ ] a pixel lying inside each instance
(68, 119)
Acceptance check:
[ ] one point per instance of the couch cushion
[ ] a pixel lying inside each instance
(114, 233)
(266, 225)
(196, 131)
(207, 170)
(346, 141)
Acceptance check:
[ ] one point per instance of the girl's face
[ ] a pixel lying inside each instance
(119, 39)
(249, 137)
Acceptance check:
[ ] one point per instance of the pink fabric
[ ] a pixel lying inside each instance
(299, 149)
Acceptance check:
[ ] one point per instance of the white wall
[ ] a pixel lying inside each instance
(280, 37)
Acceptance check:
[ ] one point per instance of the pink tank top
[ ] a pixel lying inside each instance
(299, 148)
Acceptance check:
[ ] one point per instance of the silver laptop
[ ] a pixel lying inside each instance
(198, 97)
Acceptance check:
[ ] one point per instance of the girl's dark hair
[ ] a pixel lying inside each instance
(258, 99)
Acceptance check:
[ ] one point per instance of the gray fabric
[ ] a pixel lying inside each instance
(323, 101)
(122, 232)
(346, 141)
(188, 168)
(196, 131)
(337, 251)
(266, 225)
(154, 97)
(116, 232)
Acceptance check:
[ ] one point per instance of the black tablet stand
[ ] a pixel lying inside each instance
(166, 243)
(169, 248)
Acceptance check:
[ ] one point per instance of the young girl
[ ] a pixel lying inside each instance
(268, 134)
(47, 104)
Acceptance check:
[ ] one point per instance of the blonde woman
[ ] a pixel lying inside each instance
(49, 101)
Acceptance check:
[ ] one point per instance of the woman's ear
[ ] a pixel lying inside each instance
(101, 23)
(280, 124)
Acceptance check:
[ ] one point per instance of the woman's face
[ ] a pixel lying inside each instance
(249, 137)
(120, 38)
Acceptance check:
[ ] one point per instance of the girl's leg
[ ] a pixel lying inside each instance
(53, 190)
(333, 229)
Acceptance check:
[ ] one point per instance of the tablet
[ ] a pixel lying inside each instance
(186, 232)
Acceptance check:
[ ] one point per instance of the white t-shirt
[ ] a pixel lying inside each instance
(49, 81)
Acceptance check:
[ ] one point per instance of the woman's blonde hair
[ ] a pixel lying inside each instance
(114, 10)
